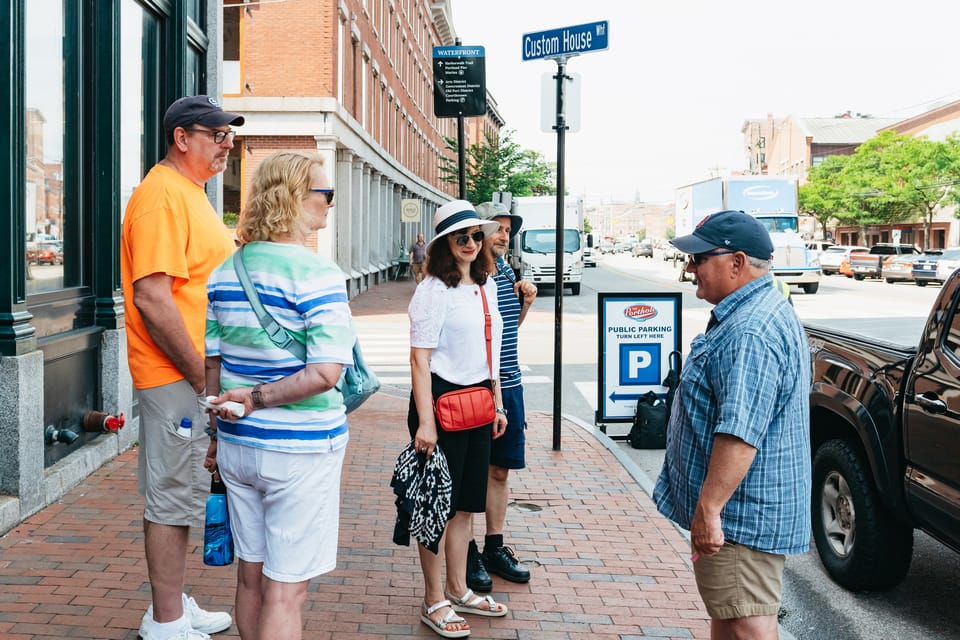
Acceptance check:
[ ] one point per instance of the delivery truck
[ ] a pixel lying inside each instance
(533, 250)
(772, 200)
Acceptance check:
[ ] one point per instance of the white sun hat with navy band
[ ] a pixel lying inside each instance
(457, 215)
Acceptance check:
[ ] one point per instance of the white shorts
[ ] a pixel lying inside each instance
(284, 508)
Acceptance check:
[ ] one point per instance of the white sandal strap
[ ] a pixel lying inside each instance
(437, 606)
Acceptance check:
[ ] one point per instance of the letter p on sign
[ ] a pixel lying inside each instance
(640, 364)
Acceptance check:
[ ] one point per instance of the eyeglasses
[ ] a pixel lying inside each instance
(326, 192)
(463, 237)
(218, 136)
(699, 258)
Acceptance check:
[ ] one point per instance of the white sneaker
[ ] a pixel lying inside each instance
(205, 621)
(201, 621)
(149, 630)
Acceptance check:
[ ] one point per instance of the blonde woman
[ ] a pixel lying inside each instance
(281, 461)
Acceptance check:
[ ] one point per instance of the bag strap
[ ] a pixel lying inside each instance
(487, 330)
(278, 335)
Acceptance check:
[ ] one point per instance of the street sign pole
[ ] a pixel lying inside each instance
(461, 152)
(560, 45)
(560, 128)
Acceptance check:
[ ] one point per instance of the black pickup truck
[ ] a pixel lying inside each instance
(885, 438)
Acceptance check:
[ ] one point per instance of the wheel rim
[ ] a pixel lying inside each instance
(838, 514)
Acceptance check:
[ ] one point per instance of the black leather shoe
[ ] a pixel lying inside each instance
(477, 577)
(502, 562)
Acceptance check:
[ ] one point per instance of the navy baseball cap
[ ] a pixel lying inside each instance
(733, 230)
(198, 110)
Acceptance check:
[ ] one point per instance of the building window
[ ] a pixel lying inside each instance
(45, 218)
(232, 80)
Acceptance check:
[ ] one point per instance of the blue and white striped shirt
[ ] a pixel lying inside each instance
(509, 305)
(748, 376)
(307, 295)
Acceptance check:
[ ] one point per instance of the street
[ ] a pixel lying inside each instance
(923, 607)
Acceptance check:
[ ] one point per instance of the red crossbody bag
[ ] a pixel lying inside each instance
(471, 407)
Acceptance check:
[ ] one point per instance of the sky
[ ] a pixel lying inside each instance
(664, 105)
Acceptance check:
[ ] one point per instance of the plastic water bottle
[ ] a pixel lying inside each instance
(186, 428)
(217, 539)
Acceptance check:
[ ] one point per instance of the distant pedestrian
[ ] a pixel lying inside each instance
(514, 298)
(418, 253)
(737, 466)
(171, 240)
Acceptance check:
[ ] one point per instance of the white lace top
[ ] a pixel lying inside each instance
(450, 321)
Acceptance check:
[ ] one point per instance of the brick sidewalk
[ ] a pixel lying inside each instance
(604, 563)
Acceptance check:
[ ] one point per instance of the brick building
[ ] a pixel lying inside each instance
(351, 80)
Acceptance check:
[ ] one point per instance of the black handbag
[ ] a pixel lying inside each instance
(652, 416)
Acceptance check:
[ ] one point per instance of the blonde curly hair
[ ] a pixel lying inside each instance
(275, 207)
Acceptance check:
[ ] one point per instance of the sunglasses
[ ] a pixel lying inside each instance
(463, 237)
(326, 192)
(699, 258)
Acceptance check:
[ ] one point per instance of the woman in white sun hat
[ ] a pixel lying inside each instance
(448, 351)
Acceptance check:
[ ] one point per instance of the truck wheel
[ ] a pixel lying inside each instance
(813, 287)
(575, 288)
(861, 544)
(858, 276)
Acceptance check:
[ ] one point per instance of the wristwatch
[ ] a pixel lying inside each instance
(257, 397)
(501, 411)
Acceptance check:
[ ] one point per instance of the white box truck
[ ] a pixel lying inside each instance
(773, 201)
(533, 251)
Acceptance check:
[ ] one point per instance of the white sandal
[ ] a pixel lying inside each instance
(440, 626)
(470, 603)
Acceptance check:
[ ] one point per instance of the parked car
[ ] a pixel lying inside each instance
(833, 256)
(818, 246)
(925, 267)
(898, 268)
(948, 263)
(643, 250)
(45, 253)
(869, 264)
(670, 252)
(589, 257)
(883, 434)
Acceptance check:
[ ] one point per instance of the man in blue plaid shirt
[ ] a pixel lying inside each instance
(737, 466)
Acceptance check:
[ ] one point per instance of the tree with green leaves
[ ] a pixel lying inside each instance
(891, 178)
(498, 164)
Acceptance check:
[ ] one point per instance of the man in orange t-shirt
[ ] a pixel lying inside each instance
(172, 240)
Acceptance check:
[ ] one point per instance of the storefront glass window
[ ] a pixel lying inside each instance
(131, 141)
(44, 201)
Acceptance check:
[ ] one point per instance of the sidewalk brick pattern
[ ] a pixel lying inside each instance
(604, 564)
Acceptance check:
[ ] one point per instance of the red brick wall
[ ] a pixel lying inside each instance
(290, 49)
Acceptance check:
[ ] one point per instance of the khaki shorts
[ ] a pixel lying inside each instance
(739, 582)
(170, 473)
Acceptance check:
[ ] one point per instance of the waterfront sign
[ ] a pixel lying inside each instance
(459, 82)
(566, 41)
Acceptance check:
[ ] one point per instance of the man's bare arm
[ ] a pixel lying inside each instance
(730, 460)
(153, 297)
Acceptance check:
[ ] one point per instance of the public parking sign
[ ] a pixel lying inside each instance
(459, 82)
(637, 333)
(566, 41)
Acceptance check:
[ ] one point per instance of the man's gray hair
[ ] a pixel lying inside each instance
(757, 263)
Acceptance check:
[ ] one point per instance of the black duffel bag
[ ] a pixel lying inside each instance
(649, 430)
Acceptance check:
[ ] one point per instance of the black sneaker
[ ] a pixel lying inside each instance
(503, 562)
(477, 577)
